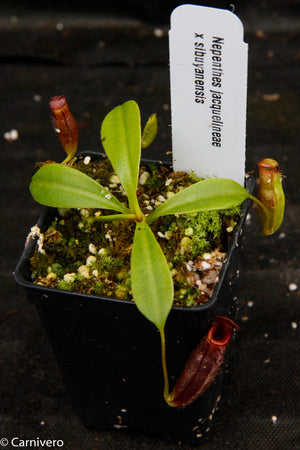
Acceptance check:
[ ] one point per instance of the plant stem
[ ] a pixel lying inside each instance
(164, 364)
(259, 203)
(134, 206)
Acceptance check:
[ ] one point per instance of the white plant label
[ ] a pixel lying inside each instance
(208, 75)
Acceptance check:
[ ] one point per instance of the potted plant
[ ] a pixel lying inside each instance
(124, 329)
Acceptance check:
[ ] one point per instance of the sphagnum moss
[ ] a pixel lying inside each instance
(84, 254)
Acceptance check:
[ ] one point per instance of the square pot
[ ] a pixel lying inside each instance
(110, 356)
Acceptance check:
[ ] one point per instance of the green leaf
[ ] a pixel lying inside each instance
(121, 139)
(150, 131)
(213, 193)
(62, 186)
(151, 280)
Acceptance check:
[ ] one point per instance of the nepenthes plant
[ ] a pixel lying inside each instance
(62, 186)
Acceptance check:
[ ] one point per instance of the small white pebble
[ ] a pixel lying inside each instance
(190, 266)
(170, 194)
(281, 236)
(205, 265)
(294, 325)
(84, 212)
(161, 198)
(168, 182)
(189, 231)
(114, 179)
(143, 178)
(95, 273)
(248, 219)
(42, 422)
(293, 287)
(92, 249)
(87, 160)
(250, 304)
(274, 419)
(70, 277)
(218, 264)
(84, 271)
(168, 234)
(266, 335)
(90, 260)
(160, 234)
(51, 276)
(102, 252)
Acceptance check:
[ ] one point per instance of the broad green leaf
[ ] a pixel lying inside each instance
(121, 139)
(150, 131)
(62, 186)
(151, 280)
(213, 193)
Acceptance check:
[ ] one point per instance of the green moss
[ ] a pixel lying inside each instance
(98, 287)
(65, 286)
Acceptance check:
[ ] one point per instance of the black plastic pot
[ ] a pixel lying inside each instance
(109, 354)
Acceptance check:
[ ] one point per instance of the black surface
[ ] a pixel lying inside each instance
(98, 63)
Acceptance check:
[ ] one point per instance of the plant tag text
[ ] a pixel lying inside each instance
(208, 75)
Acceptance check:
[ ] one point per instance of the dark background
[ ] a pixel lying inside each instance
(98, 56)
